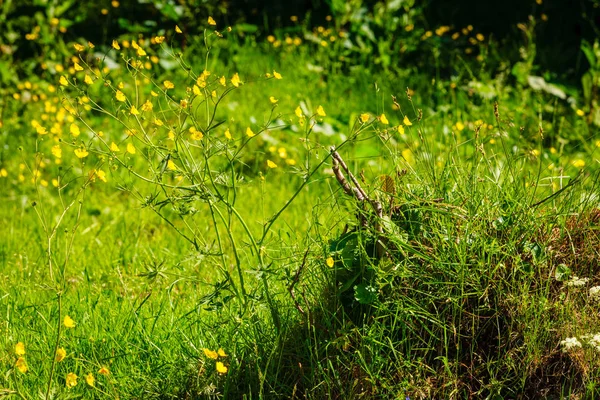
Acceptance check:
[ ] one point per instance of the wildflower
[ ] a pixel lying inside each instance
(576, 281)
(115, 45)
(78, 47)
(594, 341)
(329, 262)
(134, 111)
(383, 119)
(168, 85)
(273, 100)
(101, 175)
(298, 112)
(103, 371)
(401, 129)
(211, 21)
(277, 75)
(183, 103)
(228, 134)
(88, 80)
(221, 368)
(221, 353)
(79, 153)
(210, 353)
(21, 365)
(77, 67)
(364, 117)
(20, 349)
(480, 37)
(171, 166)
(60, 354)
(223, 81)
(71, 380)
(459, 126)
(140, 52)
(196, 134)
(90, 380)
(271, 164)
(74, 129)
(113, 147)
(147, 106)
(235, 80)
(595, 293)
(63, 81)
(114, 3)
(120, 96)
(68, 321)
(321, 111)
(177, 29)
(570, 343)
(130, 148)
(578, 163)
(249, 132)
(580, 112)
(158, 122)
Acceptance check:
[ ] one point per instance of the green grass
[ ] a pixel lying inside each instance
(455, 296)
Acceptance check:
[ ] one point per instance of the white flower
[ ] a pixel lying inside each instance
(577, 281)
(595, 293)
(594, 341)
(569, 343)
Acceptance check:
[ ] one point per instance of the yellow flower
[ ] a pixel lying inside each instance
(113, 147)
(20, 349)
(74, 129)
(158, 122)
(101, 175)
(277, 75)
(159, 39)
(578, 163)
(168, 85)
(459, 126)
(140, 52)
(228, 134)
(120, 96)
(249, 132)
(78, 47)
(153, 93)
(130, 148)
(89, 379)
(77, 67)
(71, 380)
(80, 153)
(171, 166)
(401, 129)
(321, 111)
(196, 134)
(273, 100)
(221, 353)
(68, 321)
(271, 164)
(211, 21)
(196, 90)
(580, 112)
(235, 80)
(21, 365)
(221, 368)
(406, 121)
(383, 119)
(103, 371)
(88, 80)
(329, 262)
(210, 353)
(134, 111)
(60, 354)
(223, 81)
(147, 106)
(364, 118)
(63, 81)
(177, 29)
(115, 45)
(298, 112)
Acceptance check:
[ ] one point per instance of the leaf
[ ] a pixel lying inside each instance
(365, 294)
(562, 273)
(387, 184)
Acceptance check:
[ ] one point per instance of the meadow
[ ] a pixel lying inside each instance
(333, 204)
